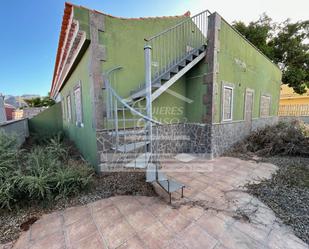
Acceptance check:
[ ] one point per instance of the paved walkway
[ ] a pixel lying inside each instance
(215, 213)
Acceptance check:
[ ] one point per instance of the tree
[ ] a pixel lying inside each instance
(286, 44)
(258, 32)
(40, 102)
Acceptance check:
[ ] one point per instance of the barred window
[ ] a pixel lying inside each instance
(227, 103)
(265, 106)
(68, 110)
(78, 106)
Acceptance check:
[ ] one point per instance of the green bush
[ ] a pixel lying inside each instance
(44, 173)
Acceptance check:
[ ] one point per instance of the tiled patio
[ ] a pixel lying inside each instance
(215, 213)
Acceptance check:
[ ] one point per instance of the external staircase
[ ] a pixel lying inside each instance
(135, 134)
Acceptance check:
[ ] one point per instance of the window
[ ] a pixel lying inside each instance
(265, 106)
(63, 109)
(78, 106)
(68, 112)
(227, 103)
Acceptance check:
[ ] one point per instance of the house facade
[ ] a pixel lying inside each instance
(134, 88)
(293, 104)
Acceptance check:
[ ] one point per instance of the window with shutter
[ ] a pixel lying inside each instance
(68, 111)
(265, 106)
(227, 103)
(78, 107)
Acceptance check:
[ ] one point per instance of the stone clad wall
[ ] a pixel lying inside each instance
(223, 136)
(168, 140)
(226, 134)
(262, 122)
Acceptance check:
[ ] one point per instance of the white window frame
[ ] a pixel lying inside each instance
(268, 96)
(78, 88)
(69, 108)
(63, 108)
(232, 102)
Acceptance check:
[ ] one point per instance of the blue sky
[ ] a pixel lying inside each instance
(30, 30)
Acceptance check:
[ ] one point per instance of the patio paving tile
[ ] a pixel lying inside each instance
(132, 243)
(117, 233)
(211, 216)
(127, 205)
(175, 221)
(156, 236)
(52, 241)
(100, 205)
(79, 230)
(94, 241)
(107, 216)
(213, 225)
(42, 229)
(191, 212)
(76, 213)
(235, 239)
(141, 219)
(195, 238)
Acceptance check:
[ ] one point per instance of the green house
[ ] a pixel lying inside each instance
(134, 91)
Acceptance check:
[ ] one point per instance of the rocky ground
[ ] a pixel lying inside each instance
(287, 192)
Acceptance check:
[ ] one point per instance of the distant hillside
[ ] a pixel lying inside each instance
(19, 101)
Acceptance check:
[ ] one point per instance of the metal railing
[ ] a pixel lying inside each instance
(127, 125)
(294, 110)
(172, 45)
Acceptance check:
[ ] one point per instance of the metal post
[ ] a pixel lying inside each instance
(147, 51)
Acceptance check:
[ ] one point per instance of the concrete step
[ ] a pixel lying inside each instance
(131, 146)
(151, 174)
(129, 132)
(140, 162)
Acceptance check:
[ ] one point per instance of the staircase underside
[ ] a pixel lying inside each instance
(167, 79)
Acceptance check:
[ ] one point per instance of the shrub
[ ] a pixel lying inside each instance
(285, 138)
(43, 173)
(8, 152)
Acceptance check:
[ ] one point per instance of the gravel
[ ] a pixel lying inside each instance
(287, 193)
(120, 183)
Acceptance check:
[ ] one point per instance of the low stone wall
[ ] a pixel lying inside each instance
(168, 140)
(262, 122)
(224, 135)
(204, 139)
(305, 119)
(18, 128)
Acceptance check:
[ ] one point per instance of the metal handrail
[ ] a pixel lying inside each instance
(110, 88)
(175, 26)
(171, 46)
(132, 109)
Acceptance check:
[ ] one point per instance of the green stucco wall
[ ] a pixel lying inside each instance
(124, 43)
(48, 122)
(195, 90)
(83, 137)
(82, 15)
(245, 67)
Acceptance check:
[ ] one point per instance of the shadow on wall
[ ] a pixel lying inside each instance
(48, 122)
(18, 128)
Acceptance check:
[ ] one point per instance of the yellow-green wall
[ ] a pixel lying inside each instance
(83, 137)
(244, 66)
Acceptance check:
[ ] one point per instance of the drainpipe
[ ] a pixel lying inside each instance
(147, 51)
